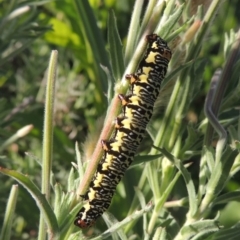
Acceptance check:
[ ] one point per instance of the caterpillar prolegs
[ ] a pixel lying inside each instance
(130, 127)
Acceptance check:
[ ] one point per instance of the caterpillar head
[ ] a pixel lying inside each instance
(83, 220)
(155, 42)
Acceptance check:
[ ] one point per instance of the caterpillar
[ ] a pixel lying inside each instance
(119, 151)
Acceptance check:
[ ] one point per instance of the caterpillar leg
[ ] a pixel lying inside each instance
(132, 78)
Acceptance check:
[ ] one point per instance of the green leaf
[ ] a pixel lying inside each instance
(192, 137)
(111, 82)
(229, 234)
(71, 179)
(187, 178)
(128, 219)
(202, 226)
(172, 19)
(173, 74)
(57, 200)
(206, 166)
(208, 152)
(160, 234)
(174, 34)
(110, 221)
(68, 214)
(204, 234)
(93, 37)
(62, 35)
(18, 31)
(144, 159)
(220, 172)
(40, 199)
(195, 72)
(227, 197)
(166, 193)
(133, 28)
(9, 214)
(116, 52)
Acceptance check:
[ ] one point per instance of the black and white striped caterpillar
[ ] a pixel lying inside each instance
(130, 127)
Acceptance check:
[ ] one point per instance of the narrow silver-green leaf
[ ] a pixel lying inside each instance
(133, 29)
(48, 124)
(201, 226)
(221, 172)
(110, 80)
(192, 137)
(88, 27)
(160, 202)
(47, 149)
(57, 199)
(219, 178)
(71, 179)
(187, 179)
(9, 214)
(128, 219)
(116, 51)
(232, 233)
(40, 199)
(67, 225)
(110, 221)
(160, 234)
(165, 29)
(227, 197)
(144, 158)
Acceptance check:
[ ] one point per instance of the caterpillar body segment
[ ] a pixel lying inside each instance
(119, 151)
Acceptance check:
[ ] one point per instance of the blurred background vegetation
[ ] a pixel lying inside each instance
(26, 40)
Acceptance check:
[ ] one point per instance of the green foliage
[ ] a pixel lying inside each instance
(186, 173)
